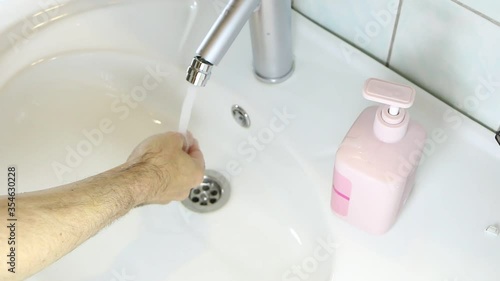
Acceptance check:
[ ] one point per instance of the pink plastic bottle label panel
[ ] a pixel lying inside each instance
(341, 194)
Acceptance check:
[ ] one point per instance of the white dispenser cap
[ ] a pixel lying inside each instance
(391, 122)
(394, 95)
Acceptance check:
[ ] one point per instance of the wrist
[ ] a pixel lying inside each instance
(142, 181)
(128, 185)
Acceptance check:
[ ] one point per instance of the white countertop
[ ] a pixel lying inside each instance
(440, 234)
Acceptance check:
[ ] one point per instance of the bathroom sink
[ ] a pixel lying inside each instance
(93, 88)
(272, 219)
(78, 94)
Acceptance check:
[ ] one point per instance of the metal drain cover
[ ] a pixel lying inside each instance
(210, 195)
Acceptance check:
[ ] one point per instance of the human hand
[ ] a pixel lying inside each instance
(168, 165)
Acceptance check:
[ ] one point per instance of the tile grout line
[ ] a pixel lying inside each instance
(393, 37)
(396, 24)
(395, 70)
(492, 20)
(448, 103)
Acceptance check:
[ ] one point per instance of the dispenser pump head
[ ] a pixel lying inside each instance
(391, 122)
(395, 95)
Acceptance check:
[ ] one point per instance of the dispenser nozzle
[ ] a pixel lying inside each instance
(393, 110)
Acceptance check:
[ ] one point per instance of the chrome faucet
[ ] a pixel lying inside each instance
(271, 32)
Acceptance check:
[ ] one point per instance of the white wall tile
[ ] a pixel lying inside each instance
(453, 53)
(367, 24)
(490, 8)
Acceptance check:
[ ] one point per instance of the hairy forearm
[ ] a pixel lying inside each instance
(53, 222)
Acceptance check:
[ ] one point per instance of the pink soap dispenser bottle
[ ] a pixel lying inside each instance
(376, 163)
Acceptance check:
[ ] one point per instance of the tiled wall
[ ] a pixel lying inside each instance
(450, 48)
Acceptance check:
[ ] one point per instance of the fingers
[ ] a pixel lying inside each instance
(195, 146)
(188, 141)
(184, 140)
(174, 156)
(195, 153)
(190, 145)
(175, 139)
(199, 161)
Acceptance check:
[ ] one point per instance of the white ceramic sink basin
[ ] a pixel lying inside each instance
(83, 68)
(55, 106)
(270, 221)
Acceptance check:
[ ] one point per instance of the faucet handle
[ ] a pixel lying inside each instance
(395, 95)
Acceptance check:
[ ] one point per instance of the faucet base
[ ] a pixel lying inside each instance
(268, 80)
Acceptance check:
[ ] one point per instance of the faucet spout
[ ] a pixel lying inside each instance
(270, 26)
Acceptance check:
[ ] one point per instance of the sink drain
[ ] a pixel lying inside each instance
(210, 195)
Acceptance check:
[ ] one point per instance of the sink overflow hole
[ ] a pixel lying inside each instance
(241, 116)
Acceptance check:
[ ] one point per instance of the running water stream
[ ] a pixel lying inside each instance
(187, 107)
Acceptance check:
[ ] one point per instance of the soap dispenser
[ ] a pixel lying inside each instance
(375, 165)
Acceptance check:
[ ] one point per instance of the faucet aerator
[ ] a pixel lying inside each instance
(199, 72)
